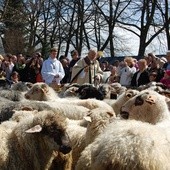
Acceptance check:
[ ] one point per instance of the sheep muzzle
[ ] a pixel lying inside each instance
(63, 142)
(124, 115)
(65, 149)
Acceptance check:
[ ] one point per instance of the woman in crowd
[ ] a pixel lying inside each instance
(126, 73)
(113, 76)
(141, 77)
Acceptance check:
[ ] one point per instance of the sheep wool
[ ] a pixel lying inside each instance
(148, 106)
(30, 145)
(127, 145)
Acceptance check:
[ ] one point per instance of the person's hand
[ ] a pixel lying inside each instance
(97, 77)
(56, 76)
(86, 69)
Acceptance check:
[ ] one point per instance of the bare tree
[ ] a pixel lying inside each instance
(115, 10)
(13, 17)
(163, 7)
(141, 19)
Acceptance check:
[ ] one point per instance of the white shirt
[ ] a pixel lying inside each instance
(50, 69)
(126, 74)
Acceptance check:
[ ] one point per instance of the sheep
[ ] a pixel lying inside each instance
(44, 95)
(157, 86)
(76, 130)
(71, 111)
(118, 87)
(7, 108)
(12, 95)
(4, 84)
(125, 96)
(21, 86)
(148, 106)
(41, 92)
(76, 133)
(69, 90)
(87, 91)
(128, 144)
(97, 120)
(92, 104)
(86, 103)
(108, 91)
(32, 142)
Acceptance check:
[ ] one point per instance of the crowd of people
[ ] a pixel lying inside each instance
(86, 69)
(134, 73)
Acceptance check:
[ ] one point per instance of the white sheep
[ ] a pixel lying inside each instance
(41, 92)
(124, 97)
(76, 130)
(69, 90)
(12, 95)
(32, 142)
(131, 144)
(21, 86)
(128, 144)
(98, 120)
(76, 133)
(86, 103)
(147, 106)
(71, 111)
(7, 108)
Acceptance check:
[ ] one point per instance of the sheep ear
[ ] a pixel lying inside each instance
(27, 108)
(44, 88)
(34, 129)
(151, 99)
(87, 118)
(29, 85)
(110, 114)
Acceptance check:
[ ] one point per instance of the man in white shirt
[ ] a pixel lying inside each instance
(126, 73)
(52, 70)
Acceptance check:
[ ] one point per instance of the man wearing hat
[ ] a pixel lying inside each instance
(52, 70)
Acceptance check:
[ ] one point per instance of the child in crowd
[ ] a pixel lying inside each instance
(152, 76)
(166, 79)
(14, 77)
(2, 74)
(113, 76)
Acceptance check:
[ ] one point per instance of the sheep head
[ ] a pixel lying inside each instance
(52, 126)
(37, 91)
(147, 106)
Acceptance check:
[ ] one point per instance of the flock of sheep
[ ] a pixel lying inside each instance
(84, 127)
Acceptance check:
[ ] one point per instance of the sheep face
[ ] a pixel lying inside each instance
(147, 106)
(89, 91)
(37, 92)
(52, 130)
(21, 86)
(70, 92)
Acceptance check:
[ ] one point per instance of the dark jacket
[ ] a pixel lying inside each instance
(143, 79)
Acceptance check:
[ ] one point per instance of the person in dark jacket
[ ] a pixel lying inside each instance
(141, 77)
(75, 58)
(166, 66)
